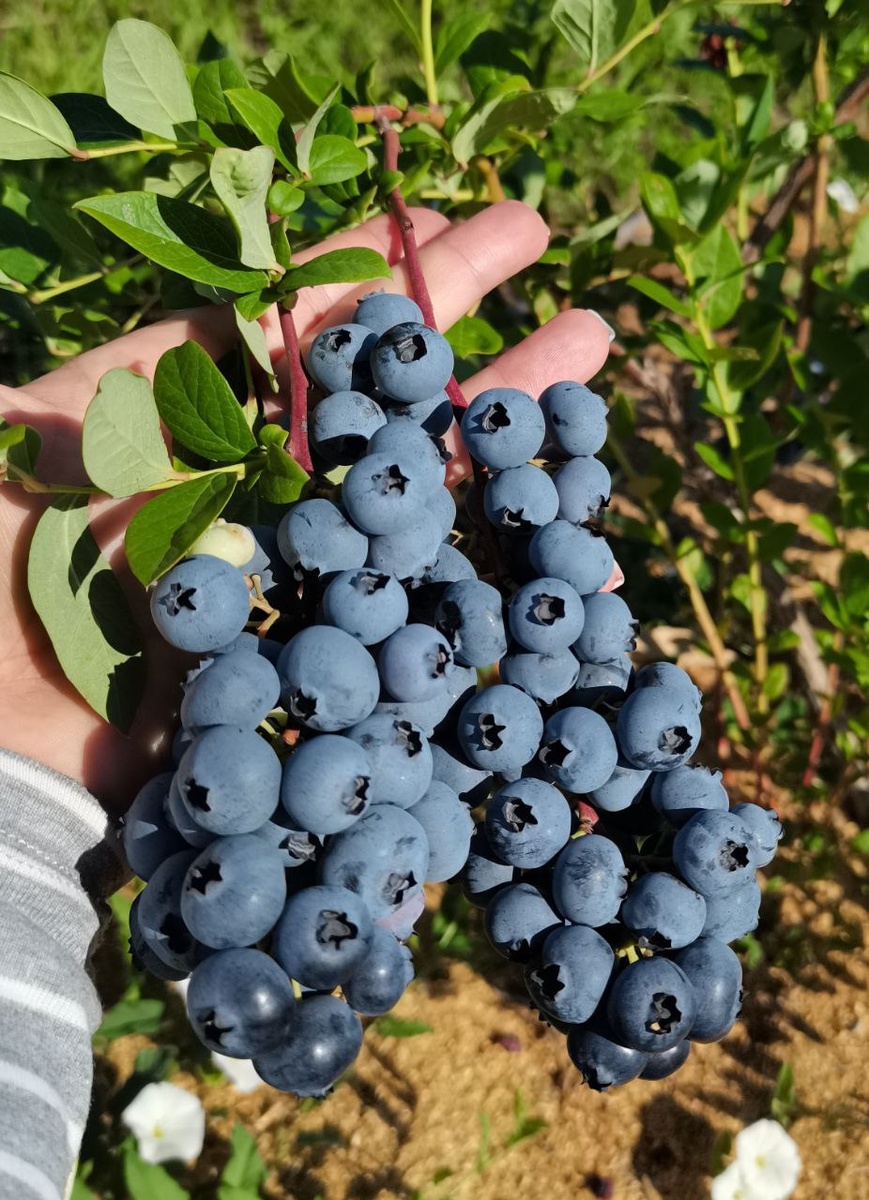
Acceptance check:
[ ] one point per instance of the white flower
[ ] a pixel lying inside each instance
(729, 1185)
(239, 1071)
(768, 1160)
(167, 1122)
(841, 191)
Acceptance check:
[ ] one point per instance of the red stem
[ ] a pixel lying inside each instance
(419, 291)
(298, 441)
(398, 204)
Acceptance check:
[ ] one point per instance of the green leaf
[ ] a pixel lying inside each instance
(759, 445)
(154, 1063)
(245, 1171)
(454, 37)
(409, 26)
(756, 126)
(165, 528)
(723, 519)
(611, 105)
(253, 306)
(283, 199)
(122, 447)
(85, 613)
(777, 680)
(396, 1027)
(696, 186)
(775, 538)
(131, 1016)
(147, 1181)
(146, 81)
(765, 340)
(339, 266)
(524, 1125)
(860, 843)
(296, 95)
(92, 121)
(854, 584)
(661, 203)
(824, 526)
(199, 407)
(518, 109)
(19, 450)
(714, 460)
(334, 159)
(717, 260)
(264, 119)
(176, 235)
(241, 180)
(596, 28)
(66, 230)
(30, 125)
(213, 80)
(784, 1101)
(306, 138)
(81, 1191)
(282, 479)
(660, 294)
(681, 342)
(253, 336)
(473, 335)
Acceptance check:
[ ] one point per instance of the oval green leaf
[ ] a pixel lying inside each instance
(199, 407)
(241, 179)
(165, 528)
(517, 110)
(122, 447)
(30, 125)
(264, 119)
(176, 235)
(339, 266)
(473, 335)
(596, 28)
(283, 479)
(334, 159)
(145, 79)
(85, 613)
(306, 137)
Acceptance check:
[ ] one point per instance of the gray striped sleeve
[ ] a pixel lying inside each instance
(58, 861)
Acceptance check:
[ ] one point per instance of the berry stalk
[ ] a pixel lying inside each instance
(298, 441)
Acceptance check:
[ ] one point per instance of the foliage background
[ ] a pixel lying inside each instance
(738, 375)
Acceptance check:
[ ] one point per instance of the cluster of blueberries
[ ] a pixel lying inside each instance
(323, 775)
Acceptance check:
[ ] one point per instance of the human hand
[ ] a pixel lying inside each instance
(41, 714)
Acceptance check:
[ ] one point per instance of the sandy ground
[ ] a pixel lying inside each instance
(434, 1117)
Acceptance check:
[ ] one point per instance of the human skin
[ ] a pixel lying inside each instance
(41, 714)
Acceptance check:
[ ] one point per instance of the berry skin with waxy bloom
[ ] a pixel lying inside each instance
(427, 692)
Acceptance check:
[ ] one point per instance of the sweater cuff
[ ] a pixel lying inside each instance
(60, 855)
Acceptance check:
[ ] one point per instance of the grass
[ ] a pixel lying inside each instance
(57, 45)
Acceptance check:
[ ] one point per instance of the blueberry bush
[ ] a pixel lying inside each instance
(702, 168)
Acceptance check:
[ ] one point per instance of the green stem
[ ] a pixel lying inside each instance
(428, 65)
(31, 484)
(70, 285)
(237, 469)
(728, 402)
(695, 595)
(127, 148)
(647, 31)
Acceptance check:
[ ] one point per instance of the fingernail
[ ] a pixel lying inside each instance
(606, 324)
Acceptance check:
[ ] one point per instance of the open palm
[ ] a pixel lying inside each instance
(41, 715)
